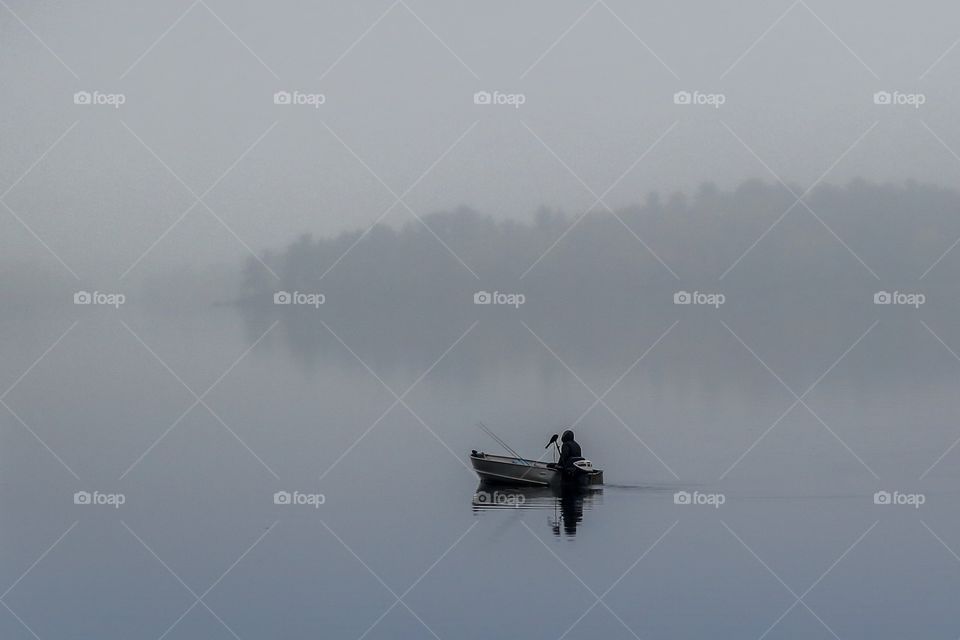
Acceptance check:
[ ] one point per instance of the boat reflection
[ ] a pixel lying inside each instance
(567, 504)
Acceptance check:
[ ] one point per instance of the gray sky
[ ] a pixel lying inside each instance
(398, 79)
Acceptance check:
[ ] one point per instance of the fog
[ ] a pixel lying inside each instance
(100, 185)
(252, 252)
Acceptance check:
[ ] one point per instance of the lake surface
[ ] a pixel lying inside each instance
(368, 429)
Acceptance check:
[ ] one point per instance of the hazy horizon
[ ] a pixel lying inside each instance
(106, 186)
(265, 266)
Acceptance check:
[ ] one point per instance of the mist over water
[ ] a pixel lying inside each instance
(264, 267)
(667, 398)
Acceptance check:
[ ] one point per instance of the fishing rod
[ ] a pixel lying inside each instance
(500, 441)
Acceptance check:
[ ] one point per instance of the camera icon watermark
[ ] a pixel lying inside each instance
(115, 100)
(715, 100)
(299, 298)
(297, 498)
(714, 300)
(496, 98)
(97, 498)
(314, 100)
(899, 98)
(715, 500)
(99, 298)
(915, 300)
(896, 498)
(514, 300)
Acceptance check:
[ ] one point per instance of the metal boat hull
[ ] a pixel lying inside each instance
(523, 472)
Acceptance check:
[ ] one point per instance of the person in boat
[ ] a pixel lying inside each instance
(569, 451)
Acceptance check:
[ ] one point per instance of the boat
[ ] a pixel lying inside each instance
(516, 471)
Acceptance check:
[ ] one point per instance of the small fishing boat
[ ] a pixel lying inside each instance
(511, 470)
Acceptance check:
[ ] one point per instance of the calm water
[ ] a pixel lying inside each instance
(199, 549)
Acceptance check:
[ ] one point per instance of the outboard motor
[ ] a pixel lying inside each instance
(584, 465)
(578, 467)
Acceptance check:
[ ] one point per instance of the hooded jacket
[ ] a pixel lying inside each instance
(569, 450)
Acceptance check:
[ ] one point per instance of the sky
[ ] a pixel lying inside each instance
(198, 165)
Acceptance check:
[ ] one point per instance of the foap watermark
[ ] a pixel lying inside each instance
(899, 98)
(99, 298)
(514, 100)
(715, 100)
(699, 297)
(98, 98)
(98, 498)
(301, 298)
(499, 499)
(298, 498)
(701, 499)
(299, 98)
(899, 499)
(899, 298)
(499, 298)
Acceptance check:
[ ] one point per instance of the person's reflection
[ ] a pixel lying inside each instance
(571, 513)
(567, 503)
